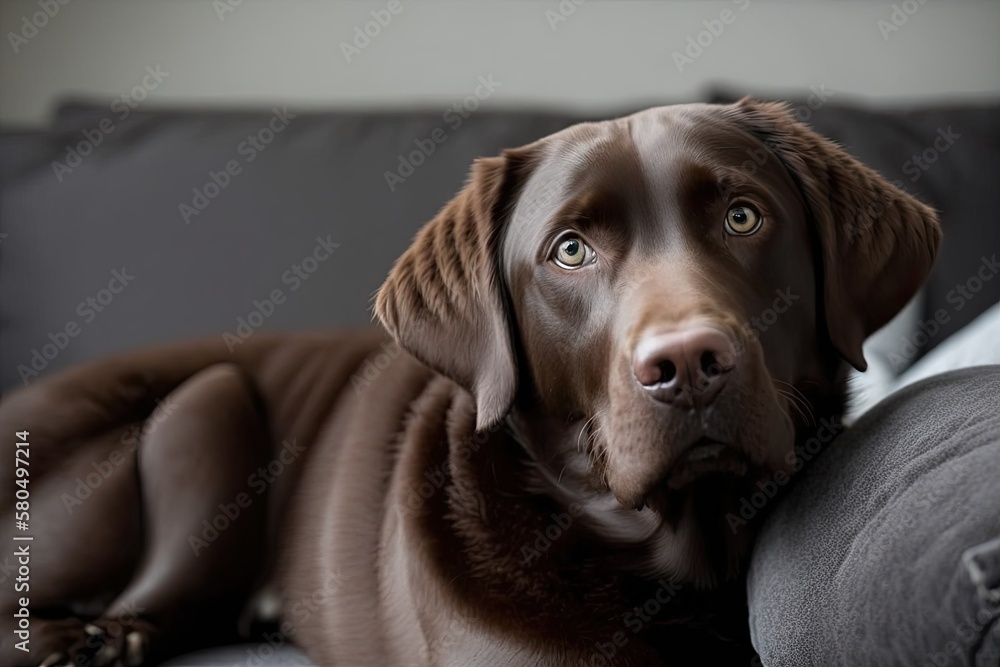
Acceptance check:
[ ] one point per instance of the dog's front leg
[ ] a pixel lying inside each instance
(202, 528)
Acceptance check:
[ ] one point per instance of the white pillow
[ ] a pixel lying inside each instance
(975, 344)
(888, 356)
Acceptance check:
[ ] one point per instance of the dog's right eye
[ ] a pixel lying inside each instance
(742, 220)
(572, 253)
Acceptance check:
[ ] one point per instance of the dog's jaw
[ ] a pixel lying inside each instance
(681, 535)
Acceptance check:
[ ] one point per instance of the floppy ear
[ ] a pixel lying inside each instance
(879, 243)
(443, 301)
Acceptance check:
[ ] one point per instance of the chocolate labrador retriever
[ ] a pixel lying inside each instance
(606, 343)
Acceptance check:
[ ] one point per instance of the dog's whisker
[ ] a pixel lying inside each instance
(804, 411)
(799, 399)
(795, 391)
(798, 392)
(789, 402)
(784, 408)
(585, 429)
(559, 478)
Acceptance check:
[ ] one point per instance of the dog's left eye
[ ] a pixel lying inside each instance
(572, 253)
(742, 221)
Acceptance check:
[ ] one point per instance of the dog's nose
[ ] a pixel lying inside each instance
(686, 367)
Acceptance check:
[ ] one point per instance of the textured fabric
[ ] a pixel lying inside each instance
(887, 549)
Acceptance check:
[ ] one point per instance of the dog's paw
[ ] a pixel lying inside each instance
(104, 642)
(49, 640)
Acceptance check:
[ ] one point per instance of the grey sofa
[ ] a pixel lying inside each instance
(122, 232)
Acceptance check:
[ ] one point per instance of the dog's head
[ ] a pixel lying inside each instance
(654, 296)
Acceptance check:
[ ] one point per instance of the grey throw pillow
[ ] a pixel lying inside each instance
(887, 549)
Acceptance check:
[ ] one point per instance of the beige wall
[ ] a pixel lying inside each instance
(603, 56)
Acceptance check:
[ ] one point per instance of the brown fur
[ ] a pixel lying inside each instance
(508, 494)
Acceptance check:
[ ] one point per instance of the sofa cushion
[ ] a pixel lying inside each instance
(198, 251)
(886, 551)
